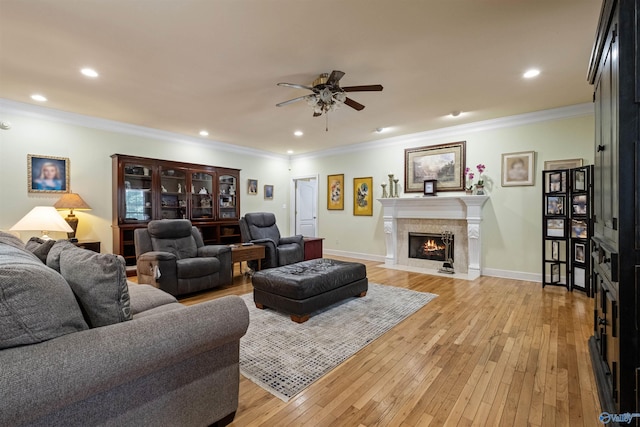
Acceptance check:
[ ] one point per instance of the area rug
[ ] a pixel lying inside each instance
(285, 357)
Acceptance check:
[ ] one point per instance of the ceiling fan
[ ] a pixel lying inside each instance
(327, 94)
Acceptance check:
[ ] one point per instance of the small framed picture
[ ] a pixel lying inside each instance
(252, 186)
(46, 174)
(579, 204)
(579, 277)
(268, 192)
(555, 182)
(555, 250)
(518, 168)
(562, 164)
(430, 187)
(579, 180)
(579, 252)
(578, 229)
(555, 227)
(555, 273)
(362, 196)
(555, 205)
(335, 192)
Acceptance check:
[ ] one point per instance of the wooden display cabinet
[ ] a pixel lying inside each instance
(147, 189)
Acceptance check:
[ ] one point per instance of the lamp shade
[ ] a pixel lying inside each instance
(42, 218)
(71, 201)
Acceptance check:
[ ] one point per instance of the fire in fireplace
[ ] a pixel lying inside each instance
(428, 246)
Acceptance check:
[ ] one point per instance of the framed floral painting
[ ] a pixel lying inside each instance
(362, 204)
(335, 192)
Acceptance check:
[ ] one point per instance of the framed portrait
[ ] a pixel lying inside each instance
(430, 187)
(555, 227)
(579, 252)
(362, 196)
(518, 169)
(578, 229)
(335, 192)
(562, 164)
(555, 250)
(46, 174)
(579, 180)
(268, 192)
(252, 186)
(555, 205)
(579, 204)
(444, 163)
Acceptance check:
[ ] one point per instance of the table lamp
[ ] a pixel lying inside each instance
(44, 219)
(71, 201)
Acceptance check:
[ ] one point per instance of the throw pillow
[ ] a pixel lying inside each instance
(36, 304)
(40, 248)
(99, 281)
(53, 257)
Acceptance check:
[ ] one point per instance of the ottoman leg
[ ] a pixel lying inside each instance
(260, 306)
(300, 319)
(362, 294)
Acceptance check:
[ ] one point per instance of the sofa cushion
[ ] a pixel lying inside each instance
(147, 297)
(36, 304)
(40, 248)
(190, 268)
(99, 281)
(53, 257)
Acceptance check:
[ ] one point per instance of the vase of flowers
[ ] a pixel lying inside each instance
(470, 175)
(480, 185)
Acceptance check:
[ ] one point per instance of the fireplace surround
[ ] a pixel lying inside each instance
(429, 246)
(460, 214)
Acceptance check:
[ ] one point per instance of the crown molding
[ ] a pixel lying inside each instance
(50, 114)
(577, 110)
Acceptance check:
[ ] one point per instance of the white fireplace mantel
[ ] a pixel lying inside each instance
(468, 208)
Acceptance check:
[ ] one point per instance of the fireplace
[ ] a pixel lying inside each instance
(429, 246)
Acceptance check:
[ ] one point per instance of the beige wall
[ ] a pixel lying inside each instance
(512, 224)
(512, 227)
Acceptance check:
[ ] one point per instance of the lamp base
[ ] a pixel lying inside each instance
(72, 220)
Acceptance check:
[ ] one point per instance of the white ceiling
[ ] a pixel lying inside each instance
(187, 65)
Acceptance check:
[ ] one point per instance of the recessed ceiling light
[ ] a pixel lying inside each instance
(38, 97)
(456, 113)
(289, 151)
(204, 133)
(298, 133)
(531, 73)
(89, 72)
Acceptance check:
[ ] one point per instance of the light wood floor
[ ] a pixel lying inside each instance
(490, 352)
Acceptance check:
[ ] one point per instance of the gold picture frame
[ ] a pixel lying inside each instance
(444, 162)
(47, 174)
(335, 192)
(362, 202)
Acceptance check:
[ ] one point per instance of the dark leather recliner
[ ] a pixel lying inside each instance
(260, 228)
(172, 256)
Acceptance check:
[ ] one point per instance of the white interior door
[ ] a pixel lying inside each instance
(306, 211)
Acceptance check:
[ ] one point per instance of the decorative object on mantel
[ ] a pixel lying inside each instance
(518, 169)
(444, 162)
(384, 190)
(430, 187)
(447, 266)
(72, 201)
(391, 185)
(395, 187)
(469, 175)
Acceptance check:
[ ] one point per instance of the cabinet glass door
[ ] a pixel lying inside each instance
(227, 197)
(201, 195)
(173, 193)
(138, 203)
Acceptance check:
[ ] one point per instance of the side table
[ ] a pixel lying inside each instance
(312, 247)
(91, 245)
(241, 253)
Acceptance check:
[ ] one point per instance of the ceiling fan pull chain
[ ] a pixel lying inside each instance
(326, 129)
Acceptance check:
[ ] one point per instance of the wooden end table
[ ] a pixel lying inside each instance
(241, 253)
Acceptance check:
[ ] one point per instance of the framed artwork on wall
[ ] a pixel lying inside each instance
(252, 186)
(362, 196)
(268, 192)
(335, 192)
(562, 164)
(518, 169)
(444, 163)
(46, 174)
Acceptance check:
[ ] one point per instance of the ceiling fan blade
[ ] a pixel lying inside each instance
(353, 104)
(334, 78)
(295, 86)
(365, 88)
(291, 101)
(317, 114)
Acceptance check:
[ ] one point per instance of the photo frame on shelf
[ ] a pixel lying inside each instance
(555, 205)
(47, 174)
(518, 169)
(562, 164)
(252, 187)
(430, 187)
(579, 252)
(579, 180)
(362, 205)
(268, 192)
(579, 204)
(444, 163)
(335, 192)
(555, 227)
(579, 229)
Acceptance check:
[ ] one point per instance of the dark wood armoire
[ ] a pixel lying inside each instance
(614, 71)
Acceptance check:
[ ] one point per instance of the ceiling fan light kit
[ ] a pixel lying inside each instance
(327, 94)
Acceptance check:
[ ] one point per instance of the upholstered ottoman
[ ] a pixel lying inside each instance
(304, 287)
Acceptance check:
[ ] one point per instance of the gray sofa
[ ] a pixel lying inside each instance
(83, 346)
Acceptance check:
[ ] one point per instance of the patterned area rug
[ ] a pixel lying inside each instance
(285, 357)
